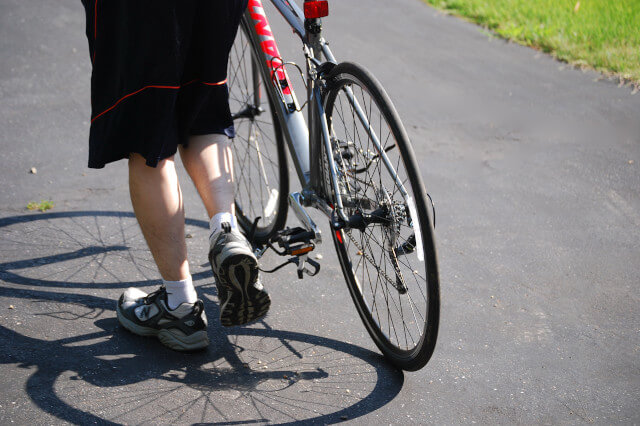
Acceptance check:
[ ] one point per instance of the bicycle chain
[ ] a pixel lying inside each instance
(370, 259)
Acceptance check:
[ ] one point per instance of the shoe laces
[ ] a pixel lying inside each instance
(151, 297)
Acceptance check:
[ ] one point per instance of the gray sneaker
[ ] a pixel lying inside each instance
(181, 329)
(242, 296)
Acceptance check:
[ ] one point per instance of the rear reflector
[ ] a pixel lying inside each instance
(316, 9)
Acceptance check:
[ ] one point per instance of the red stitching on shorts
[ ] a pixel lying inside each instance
(220, 83)
(131, 94)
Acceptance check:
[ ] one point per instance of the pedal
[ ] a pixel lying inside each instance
(297, 243)
(294, 242)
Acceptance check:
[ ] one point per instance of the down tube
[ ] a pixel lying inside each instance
(295, 128)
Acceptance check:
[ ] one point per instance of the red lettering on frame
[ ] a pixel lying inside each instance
(262, 26)
(255, 3)
(268, 46)
(257, 14)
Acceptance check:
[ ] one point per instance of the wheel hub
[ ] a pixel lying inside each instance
(250, 111)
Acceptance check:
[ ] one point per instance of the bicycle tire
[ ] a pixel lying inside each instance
(370, 257)
(258, 149)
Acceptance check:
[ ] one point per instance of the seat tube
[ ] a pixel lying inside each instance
(313, 34)
(313, 30)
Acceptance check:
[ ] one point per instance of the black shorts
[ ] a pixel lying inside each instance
(159, 74)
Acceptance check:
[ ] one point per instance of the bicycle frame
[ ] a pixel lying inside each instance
(304, 141)
(324, 165)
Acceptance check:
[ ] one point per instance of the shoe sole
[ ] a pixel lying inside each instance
(244, 303)
(195, 341)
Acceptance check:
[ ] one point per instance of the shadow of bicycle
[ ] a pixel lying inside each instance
(84, 368)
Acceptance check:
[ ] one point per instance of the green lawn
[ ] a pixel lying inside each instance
(602, 34)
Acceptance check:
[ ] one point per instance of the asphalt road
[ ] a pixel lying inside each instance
(534, 168)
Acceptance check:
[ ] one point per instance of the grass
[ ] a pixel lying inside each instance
(43, 205)
(600, 34)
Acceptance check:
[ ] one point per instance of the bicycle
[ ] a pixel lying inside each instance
(355, 164)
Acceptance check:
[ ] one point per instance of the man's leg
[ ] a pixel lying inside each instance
(209, 162)
(157, 204)
(173, 314)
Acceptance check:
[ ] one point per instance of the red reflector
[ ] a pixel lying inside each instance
(316, 9)
(302, 250)
(339, 237)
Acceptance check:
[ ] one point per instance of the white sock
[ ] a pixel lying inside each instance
(215, 224)
(179, 292)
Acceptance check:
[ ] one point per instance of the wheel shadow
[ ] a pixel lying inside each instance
(99, 372)
(79, 249)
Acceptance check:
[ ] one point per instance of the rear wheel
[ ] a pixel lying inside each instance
(387, 250)
(260, 162)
